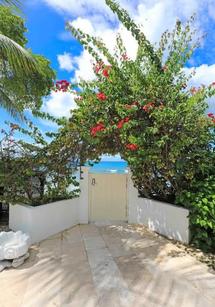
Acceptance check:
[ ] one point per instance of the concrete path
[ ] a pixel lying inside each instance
(107, 266)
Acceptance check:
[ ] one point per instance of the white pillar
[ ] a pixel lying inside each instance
(84, 197)
(132, 200)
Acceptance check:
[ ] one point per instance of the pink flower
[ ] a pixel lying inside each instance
(101, 96)
(98, 67)
(99, 127)
(132, 147)
(105, 73)
(62, 85)
(193, 90)
(122, 122)
(211, 115)
(126, 120)
(125, 57)
(148, 107)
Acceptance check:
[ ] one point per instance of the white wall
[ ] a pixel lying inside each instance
(46, 220)
(43, 221)
(166, 219)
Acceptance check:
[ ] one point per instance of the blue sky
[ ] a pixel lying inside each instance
(47, 35)
(45, 31)
(45, 20)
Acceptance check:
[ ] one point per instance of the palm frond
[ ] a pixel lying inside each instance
(15, 3)
(7, 103)
(16, 56)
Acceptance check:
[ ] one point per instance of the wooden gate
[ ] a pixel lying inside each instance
(108, 197)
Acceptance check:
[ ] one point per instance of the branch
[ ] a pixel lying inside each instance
(136, 32)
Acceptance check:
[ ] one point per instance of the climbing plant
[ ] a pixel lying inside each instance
(144, 109)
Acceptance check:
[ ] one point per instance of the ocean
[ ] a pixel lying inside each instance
(117, 167)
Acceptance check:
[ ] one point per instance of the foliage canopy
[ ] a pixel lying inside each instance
(144, 109)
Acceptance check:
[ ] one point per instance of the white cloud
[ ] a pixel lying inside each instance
(83, 62)
(155, 16)
(65, 61)
(59, 104)
(95, 18)
(204, 75)
(155, 11)
(111, 158)
(83, 24)
(80, 7)
(84, 67)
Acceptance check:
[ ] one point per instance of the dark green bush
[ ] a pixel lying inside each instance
(36, 172)
(200, 200)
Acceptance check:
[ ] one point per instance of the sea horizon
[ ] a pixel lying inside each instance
(112, 167)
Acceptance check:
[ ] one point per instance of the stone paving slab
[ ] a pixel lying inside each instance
(107, 266)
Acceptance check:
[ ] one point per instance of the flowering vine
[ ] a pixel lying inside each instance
(144, 109)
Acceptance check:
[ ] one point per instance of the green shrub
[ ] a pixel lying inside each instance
(36, 172)
(200, 200)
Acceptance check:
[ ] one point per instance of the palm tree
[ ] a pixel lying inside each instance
(18, 58)
(15, 3)
(16, 55)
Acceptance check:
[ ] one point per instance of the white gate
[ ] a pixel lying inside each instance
(108, 197)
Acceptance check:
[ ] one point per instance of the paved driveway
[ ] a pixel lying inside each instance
(108, 266)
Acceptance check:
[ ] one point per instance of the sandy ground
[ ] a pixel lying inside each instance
(115, 265)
